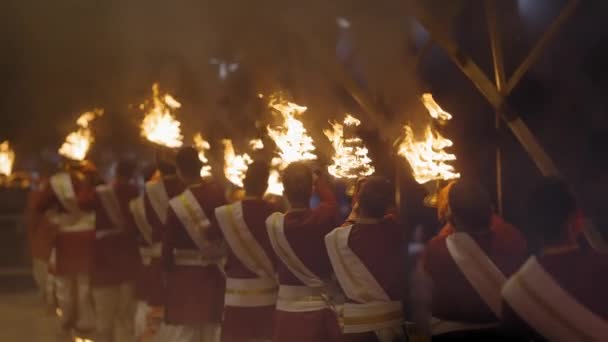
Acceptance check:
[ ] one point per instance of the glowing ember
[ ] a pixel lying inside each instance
(159, 125)
(7, 158)
(235, 166)
(202, 145)
(256, 144)
(350, 159)
(434, 109)
(291, 138)
(77, 143)
(427, 157)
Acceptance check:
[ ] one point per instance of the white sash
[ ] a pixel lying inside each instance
(157, 194)
(376, 310)
(250, 292)
(194, 257)
(242, 242)
(301, 299)
(111, 205)
(62, 186)
(276, 233)
(193, 217)
(139, 215)
(539, 300)
(83, 222)
(477, 267)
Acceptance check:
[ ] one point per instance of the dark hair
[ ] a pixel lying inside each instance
(470, 205)
(148, 171)
(165, 161)
(550, 206)
(126, 168)
(297, 180)
(376, 196)
(256, 178)
(187, 161)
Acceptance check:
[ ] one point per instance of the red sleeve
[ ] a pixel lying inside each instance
(328, 208)
(168, 239)
(87, 199)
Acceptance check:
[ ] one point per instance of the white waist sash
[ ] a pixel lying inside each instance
(439, 326)
(110, 204)
(546, 307)
(82, 222)
(193, 257)
(250, 292)
(102, 234)
(359, 318)
(478, 268)
(157, 194)
(242, 242)
(138, 211)
(300, 299)
(148, 253)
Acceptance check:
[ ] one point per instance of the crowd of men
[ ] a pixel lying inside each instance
(180, 263)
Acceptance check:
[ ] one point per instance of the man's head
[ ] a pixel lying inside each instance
(470, 208)
(125, 169)
(165, 161)
(188, 164)
(256, 179)
(551, 210)
(297, 180)
(376, 197)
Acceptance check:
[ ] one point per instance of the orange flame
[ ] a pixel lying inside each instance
(275, 186)
(77, 143)
(159, 125)
(350, 159)
(256, 144)
(235, 166)
(7, 158)
(427, 157)
(202, 146)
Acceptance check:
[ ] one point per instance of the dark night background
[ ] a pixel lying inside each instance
(62, 57)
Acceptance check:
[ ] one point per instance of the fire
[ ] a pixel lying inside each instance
(202, 145)
(350, 159)
(235, 166)
(428, 158)
(256, 144)
(77, 143)
(291, 138)
(275, 186)
(159, 125)
(7, 158)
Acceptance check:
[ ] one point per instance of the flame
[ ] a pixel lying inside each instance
(159, 125)
(291, 138)
(350, 159)
(256, 144)
(235, 166)
(434, 109)
(202, 145)
(275, 186)
(77, 143)
(427, 157)
(7, 158)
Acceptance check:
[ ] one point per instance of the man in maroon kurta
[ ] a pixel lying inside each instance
(304, 269)
(157, 194)
(560, 293)
(193, 254)
(251, 287)
(458, 306)
(367, 253)
(115, 257)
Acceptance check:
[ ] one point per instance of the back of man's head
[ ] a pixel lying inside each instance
(165, 161)
(256, 178)
(551, 206)
(187, 162)
(297, 181)
(376, 197)
(470, 206)
(125, 169)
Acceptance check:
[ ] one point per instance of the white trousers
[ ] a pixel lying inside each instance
(74, 301)
(114, 313)
(181, 333)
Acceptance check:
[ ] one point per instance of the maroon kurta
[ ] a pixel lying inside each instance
(153, 274)
(74, 250)
(583, 274)
(454, 298)
(195, 294)
(305, 230)
(116, 257)
(241, 324)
